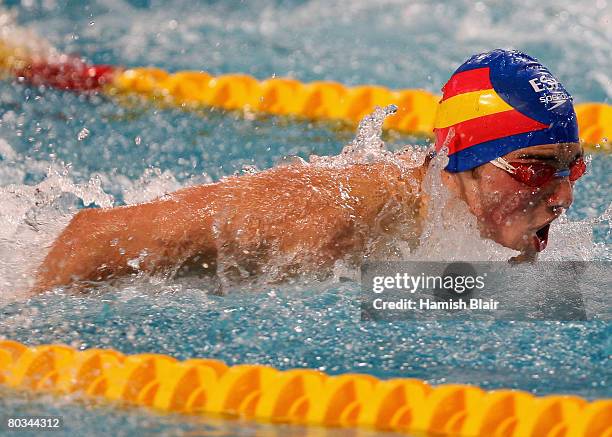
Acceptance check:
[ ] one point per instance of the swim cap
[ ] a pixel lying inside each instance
(501, 101)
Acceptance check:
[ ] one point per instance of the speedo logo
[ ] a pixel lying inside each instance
(559, 98)
(554, 93)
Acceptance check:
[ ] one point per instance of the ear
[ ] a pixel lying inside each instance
(464, 186)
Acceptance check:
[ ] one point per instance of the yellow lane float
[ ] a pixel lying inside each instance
(318, 100)
(299, 396)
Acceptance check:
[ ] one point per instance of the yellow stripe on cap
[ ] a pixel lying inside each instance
(468, 106)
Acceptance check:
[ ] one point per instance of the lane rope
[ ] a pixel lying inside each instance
(298, 396)
(278, 96)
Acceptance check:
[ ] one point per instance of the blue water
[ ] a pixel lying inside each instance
(81, 419)
(316, 325)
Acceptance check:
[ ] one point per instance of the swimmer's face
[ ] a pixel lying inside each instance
(508, 211)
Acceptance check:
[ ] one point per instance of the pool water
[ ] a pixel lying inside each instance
(84, 418)
(60, 152)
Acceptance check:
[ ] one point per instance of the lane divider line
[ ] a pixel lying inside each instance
(279, 96)
(299, 396)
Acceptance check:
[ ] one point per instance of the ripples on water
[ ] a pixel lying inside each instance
(101, 153)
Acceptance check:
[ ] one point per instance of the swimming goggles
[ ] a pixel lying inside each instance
(538, 174)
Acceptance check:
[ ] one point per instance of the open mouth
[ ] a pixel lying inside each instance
(540, 239)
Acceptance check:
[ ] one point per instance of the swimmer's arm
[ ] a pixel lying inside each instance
(99, 244)
(71, 254)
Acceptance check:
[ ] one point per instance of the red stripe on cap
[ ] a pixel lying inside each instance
(487, 128)
(467, 81)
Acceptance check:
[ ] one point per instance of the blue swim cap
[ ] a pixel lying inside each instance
(498, 102)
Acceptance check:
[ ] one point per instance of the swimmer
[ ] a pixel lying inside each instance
(509, 129)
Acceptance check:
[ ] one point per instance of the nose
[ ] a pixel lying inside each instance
(563, 194)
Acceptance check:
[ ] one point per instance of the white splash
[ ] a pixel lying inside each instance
(369, 134)
(573, 240)
(152, 184)
(32, 216)
(368, 147)
(450, 230)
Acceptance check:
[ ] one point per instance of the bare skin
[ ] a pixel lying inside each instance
(312, 216)
(508, 211)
